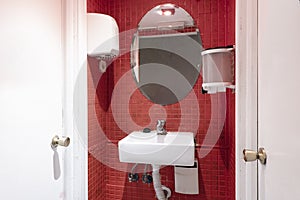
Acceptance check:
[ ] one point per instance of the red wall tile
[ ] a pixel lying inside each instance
(216, 21)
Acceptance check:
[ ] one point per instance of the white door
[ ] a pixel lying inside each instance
(30, 98)
(279, 98)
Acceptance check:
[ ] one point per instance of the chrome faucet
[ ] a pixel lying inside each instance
(160, 127)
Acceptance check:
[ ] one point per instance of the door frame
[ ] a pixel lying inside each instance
(246, 97)
(74, 58)
(75, 53)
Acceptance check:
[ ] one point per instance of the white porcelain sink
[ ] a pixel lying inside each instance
(175, 148)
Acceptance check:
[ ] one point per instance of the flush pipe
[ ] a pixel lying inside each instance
(158, 187)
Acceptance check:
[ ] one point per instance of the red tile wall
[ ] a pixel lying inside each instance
(96, 178)
(216, 21)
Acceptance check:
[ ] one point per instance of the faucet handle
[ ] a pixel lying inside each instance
(161, 122)
(160, 127)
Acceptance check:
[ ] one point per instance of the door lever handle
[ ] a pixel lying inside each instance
(60, 141)
(250, 155)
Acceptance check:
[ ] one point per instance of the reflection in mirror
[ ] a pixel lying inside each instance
(166, 54)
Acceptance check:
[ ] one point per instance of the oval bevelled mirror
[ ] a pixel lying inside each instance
(166, 54)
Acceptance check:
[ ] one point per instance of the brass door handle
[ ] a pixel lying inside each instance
(250, 155)
(60, 141)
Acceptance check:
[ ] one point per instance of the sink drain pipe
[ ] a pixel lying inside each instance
(158, 187)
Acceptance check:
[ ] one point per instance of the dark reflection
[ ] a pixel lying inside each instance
(158, 94)
(168, 66)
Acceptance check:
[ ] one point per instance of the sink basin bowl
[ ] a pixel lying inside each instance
(175, 148)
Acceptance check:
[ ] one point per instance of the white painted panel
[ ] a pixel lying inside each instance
(75, 101)
(279, 98)
(30, 98)
(246, 97)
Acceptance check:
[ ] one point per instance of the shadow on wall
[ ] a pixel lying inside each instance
(103, 82)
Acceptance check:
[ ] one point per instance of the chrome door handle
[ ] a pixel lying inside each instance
(60, 141)
(250, 155)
